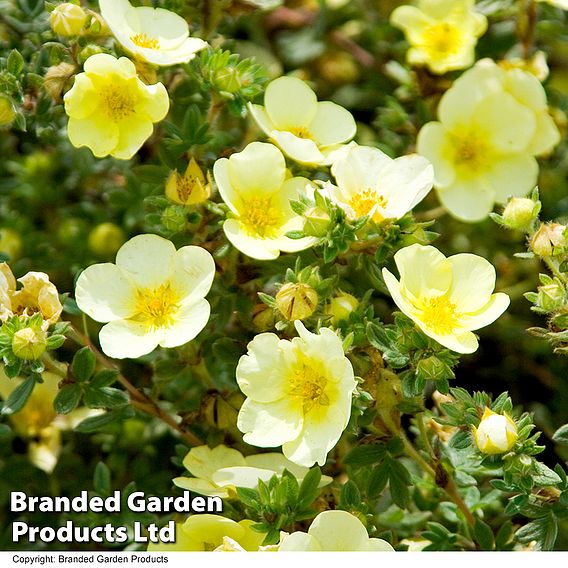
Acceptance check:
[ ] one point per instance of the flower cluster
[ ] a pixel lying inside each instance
(493, 122)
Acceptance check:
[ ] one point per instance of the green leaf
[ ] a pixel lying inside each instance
(561, 435)
(104, 378)
(483, 535)
(542, 530)
(504, 535)
(95, 423)
(105, 397)
(84, 363)
(295, 235)
(378, 481)
(365, 455)
(350, 498)
(399, 478)
(309, 488)
(249, 497)
(19, 396)
(15, 63)
(101, 479)
(67, 399)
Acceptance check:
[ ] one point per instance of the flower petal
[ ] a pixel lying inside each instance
(123, 339)
(487, 314)
(204, 461)
(154, 102)
(290, 103)
(82, 99)
(261, 249)
(339, 531)
(299, 542)
(133, 132)
(194, 270)
(468, 199)
(148, 259)
(300, 149)
(513, 176)
(435, 143)
(270, 424)
(224, 185)
(100, 136)
(261, 118)
(104, 293)
(189, 322)
(332, 124)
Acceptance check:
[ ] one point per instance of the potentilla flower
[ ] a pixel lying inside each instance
(190, 188)
(442, 33)
(153, 295)
(201, 533)
(220, 470)
(37, 295)
(447, 298)
(370, 183)
(111, 111)
(492, 123)
(496, 433)
(255, 186)
(334, 531)
(305, 129)
(151, 34)
(298, 393)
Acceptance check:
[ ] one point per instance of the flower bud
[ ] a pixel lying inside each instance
(190, 188)
(29, 343)
(317, 222)
(496, 433)
(105, 239)
(547, 237)
(174, 218)
(68, 19)
(340, 307)
(551, 297)
(7, 111)
(58, 79)
(296, 301)
(262, 317)
(520, 212)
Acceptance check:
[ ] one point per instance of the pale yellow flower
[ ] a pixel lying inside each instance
(496, 433)
(492, 123)
(201, 533)
(334, 531)
(190, 188)
(370, 183)
(306, 130)
(38, 422)
(255, 185)
(447, 298)
(220, 470)
(536, 65)
(442, 33)
(111, 111)
(153, 295)
(298, 393)
(37, 295)
(151, 34)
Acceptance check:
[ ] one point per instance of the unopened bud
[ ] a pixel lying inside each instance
(174, 218)
(68, 19)
(520, 213)
(496, 433)
(296, 301)
(262, 317)
(7, 111)
(340, 307)
(57, 79)
(547, 237)
(190, 188)
(105, 240)
(551, 297)
(29, 343)
(317, 222)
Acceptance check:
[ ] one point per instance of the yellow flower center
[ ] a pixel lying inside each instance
(301, 132)
(439, 314)
(442, 40)
(364, 201)
(260, 218)
(156, 308)
(142, 40)
(470, 153)
(308, 385)
(118, 101)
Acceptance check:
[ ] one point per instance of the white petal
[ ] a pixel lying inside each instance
(513, 176)
(241, 476)
(546, 135)
(123, 339)
(434, 142)
(104, 293)
(200, 486)
(339, 531)
(194, 270)
(460, 342)
(300, 149)
(224, 185)
(299, 542)
(487, 314)
(290, 103)
(261, 374)
(261, 249)
(276, 462)
(270, 424)
(468, 199)
(204, 461)
(148, 259)
(189, 322)
(473, 282)
(261, 118)
(332, 124)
